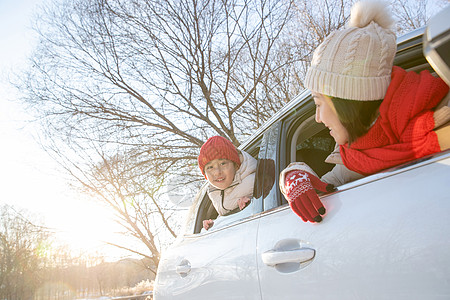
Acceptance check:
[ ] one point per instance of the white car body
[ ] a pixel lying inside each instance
(385, 236)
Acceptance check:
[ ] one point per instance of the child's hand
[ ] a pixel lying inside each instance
(207, 224)
(243, 202)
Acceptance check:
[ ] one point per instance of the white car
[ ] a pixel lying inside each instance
(386, 236)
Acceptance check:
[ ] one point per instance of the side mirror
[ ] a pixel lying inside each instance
(436, 43)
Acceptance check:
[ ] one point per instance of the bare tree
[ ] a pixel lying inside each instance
(124, 186)
(22, 244)
(415, 14)
(166, 74)
(34, 266)
(311, 22)
(127, 91)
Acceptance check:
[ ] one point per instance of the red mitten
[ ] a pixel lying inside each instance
(302, 198)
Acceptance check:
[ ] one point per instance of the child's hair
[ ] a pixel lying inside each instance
(217, 147)
(356, 116)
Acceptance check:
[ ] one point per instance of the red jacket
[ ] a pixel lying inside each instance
(404, 129)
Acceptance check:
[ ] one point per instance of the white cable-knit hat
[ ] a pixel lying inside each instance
(356, 63)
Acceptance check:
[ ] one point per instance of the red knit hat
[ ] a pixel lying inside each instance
(217, 147)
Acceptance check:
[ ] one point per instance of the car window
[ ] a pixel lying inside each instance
(315, 149)
(308, 141)
(203, 209)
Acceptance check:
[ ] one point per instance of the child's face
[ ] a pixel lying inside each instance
(220, 173)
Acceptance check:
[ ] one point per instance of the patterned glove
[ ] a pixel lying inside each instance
(302, 198)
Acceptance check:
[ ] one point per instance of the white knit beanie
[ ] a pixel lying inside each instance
(356, 63)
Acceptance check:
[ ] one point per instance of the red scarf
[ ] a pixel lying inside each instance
(404, 129)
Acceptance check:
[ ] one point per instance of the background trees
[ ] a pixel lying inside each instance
(22, 244)
(127, 91)
(33, 266)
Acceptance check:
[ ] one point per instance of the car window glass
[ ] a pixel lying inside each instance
(197, 205)
(267, 172)
(239, 215)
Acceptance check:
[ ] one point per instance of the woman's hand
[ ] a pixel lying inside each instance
(302, 198)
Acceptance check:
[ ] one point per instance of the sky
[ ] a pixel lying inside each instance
(29, 178)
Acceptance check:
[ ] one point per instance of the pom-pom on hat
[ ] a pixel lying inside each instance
(356, 63)
(217, 147)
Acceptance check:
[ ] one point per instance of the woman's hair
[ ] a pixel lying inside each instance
(356, 116)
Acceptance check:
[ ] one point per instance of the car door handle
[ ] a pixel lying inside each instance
(183, 268)
(276, 257)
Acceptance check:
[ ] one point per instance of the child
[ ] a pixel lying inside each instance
(380, 115)
(230, 174)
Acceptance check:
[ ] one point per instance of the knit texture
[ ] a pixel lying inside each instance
(297, 183)
(300, 192)
(217, 147)
(404, 128)
(355, 63)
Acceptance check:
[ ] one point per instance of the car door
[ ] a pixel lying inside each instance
(386, 239)
(383, 237)
(216, 264)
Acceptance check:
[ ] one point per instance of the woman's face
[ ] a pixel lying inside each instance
(326, 114)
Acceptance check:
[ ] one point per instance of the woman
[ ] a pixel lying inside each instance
(378, 114)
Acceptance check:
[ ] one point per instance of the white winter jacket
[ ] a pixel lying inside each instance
(226, 200)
